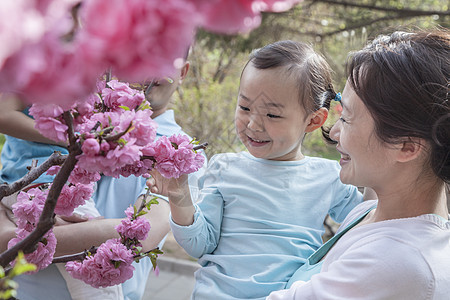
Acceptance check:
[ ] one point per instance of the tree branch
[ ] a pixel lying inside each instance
(8, 189)
(82, 255)
(402, 11)
(46, 220)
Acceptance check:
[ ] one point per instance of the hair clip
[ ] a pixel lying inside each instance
(338, 97)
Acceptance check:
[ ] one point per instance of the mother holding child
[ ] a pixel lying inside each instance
(394, 137)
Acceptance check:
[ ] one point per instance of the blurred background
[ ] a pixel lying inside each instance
(205, 103)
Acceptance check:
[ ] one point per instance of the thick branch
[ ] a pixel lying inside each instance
(46, 220)
(8, 189)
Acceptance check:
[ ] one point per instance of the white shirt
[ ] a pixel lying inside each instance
(395, 259)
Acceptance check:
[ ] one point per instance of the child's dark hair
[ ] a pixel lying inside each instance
(403, 80)
(310, 71)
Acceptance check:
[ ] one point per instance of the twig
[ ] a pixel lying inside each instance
(201, 146)
(118, 135)
(78, 256)
(82, 255)
(8, 189)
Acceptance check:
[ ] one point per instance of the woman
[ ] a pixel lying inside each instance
(393, 136)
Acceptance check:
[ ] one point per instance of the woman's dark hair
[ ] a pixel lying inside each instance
(308, 68)
(403, 80)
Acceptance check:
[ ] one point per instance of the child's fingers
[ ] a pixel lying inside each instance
(151, 182)
(154, 190)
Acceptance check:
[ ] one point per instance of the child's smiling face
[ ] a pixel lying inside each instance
(269, 118)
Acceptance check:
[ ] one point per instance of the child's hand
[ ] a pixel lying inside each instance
(177, 189)
(158, 184)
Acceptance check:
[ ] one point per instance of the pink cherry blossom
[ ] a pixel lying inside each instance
(163, 149)
(82, 176)
(71, 197)
(229, 16)
(129, 211)
(52, 128)
(168, 169)
(19, 23)
(174, 156)
(90, 147)
(180, 139)
(47, 72)
(134, 229)
(43, 255)
(153, 34)
(139, 168)
(120, 94)
(111, 265)
(241, 16)
(28, 208)
(26, 21)
(279, 5)
(53, 170)
(144, 130)
(38, 110)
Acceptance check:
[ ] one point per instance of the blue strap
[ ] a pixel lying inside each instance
(323, 250)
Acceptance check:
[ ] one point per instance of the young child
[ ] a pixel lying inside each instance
(260, 213)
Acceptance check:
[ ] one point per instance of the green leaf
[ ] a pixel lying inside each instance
(157, 251)
(116, 264)
(8, 294)
(124, 107)
(21, 269)
(21, 266)
(153, 200)
(141, 213)
(122, 142)
(153, 260)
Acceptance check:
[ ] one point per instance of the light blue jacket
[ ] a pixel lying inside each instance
(259, 220)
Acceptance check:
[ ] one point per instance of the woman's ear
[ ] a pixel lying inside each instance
(410, 149)
(316, 119)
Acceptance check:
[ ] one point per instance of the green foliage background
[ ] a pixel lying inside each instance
(205, 103)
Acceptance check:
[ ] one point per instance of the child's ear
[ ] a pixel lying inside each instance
(316, 119)
(410, 149)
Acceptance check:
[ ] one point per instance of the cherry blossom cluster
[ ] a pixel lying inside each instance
(47, 57)
(116, 136)
(113, 126)
(175, 156)
(112, 263)
(29, 205)
(27, 211)
(49, 60)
